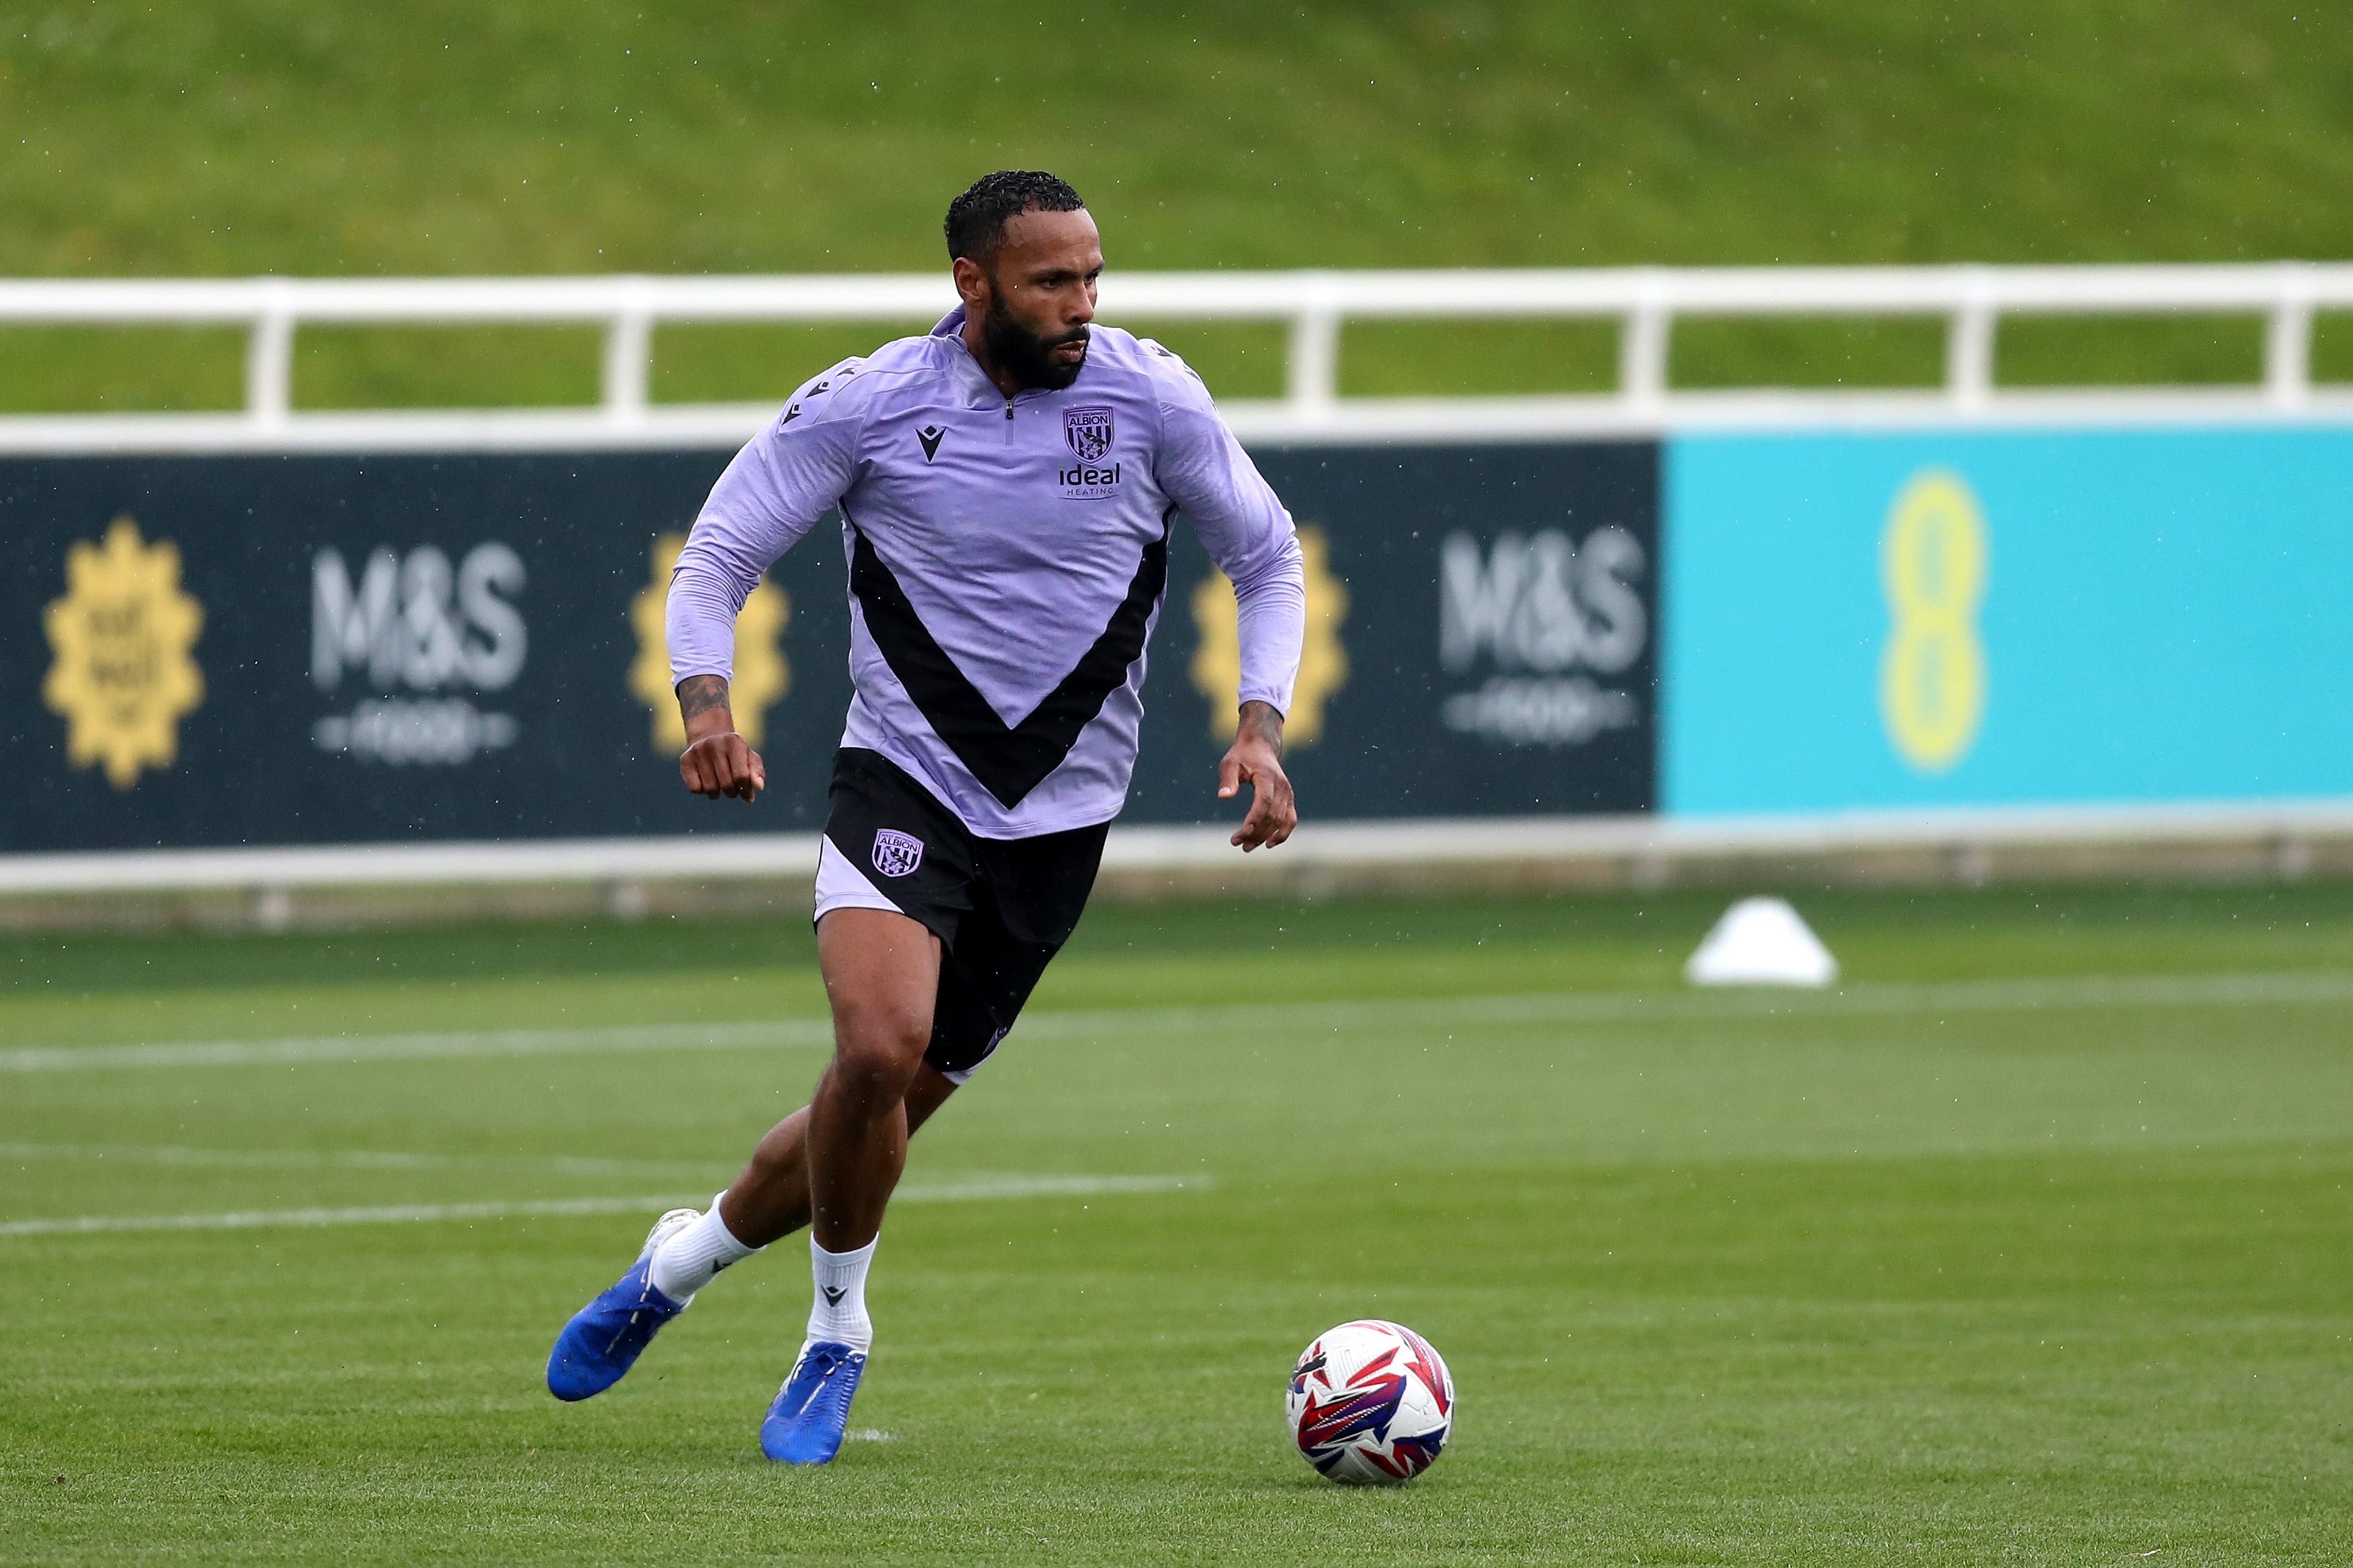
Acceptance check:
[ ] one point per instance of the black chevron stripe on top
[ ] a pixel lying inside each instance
(1008, 760)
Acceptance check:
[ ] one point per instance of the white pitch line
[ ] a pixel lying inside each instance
(358, 1160)
(2323, 986)
(386, 1213)
(402, 1047)
(2312, 987)
(967, 1190)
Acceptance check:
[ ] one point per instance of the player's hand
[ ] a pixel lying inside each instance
(717, 760)
(724, 764)
(1256, 759)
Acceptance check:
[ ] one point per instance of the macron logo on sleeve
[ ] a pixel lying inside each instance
(931, 437)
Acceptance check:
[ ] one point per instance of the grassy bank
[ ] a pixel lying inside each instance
(262, 135)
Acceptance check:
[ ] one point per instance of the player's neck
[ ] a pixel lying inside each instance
(975, 339)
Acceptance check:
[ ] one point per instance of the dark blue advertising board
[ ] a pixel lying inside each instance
(313, 649)
(1479, 638)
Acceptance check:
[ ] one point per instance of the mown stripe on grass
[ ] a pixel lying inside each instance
(2314, 986)
(964, 1189)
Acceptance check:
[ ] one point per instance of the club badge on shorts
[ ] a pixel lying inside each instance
(897, 854)
(1088, 430)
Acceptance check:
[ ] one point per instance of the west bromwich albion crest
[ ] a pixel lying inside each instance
(897, 854)
(1088, 430)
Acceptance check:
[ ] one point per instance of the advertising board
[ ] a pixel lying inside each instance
(1957, 619)
(321, 649)
(1480, 637)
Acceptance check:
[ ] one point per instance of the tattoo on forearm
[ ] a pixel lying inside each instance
(1260, 722)
(700, 694)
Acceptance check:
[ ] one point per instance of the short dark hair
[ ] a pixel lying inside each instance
(976, 219)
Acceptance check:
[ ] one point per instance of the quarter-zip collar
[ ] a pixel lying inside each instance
(978, 390)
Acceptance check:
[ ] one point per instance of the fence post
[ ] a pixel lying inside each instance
(1642, 343)
(628, 355)
(269, 358)
(1313, 378)
(1968, 343)
(2287, 340)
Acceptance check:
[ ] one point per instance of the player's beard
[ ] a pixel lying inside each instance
(1027, 357)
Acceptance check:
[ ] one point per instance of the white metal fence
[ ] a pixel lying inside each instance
(1644, 303)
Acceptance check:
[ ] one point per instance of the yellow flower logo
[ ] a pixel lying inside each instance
(123, 675)
(1323, 662)
(762, 675)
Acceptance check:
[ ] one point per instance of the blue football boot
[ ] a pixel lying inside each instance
(605, 1337)
(804, 1425)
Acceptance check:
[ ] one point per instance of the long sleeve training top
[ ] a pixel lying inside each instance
(1007, 559)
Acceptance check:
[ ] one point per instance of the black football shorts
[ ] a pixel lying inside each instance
(1001, 907)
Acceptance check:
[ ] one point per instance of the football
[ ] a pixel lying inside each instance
(1370, 1404)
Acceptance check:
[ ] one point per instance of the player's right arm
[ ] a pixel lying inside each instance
(717, 760)
(778, 486)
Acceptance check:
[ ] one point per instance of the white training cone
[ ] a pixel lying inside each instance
(1761, 941)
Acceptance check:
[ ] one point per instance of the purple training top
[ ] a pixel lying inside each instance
(1007, 560)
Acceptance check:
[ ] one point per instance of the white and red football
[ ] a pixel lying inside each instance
(1370, 1404)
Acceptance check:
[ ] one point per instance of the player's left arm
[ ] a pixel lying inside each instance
(1256, 759)
(1249, 534)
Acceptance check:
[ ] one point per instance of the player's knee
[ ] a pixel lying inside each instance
(876, 1053)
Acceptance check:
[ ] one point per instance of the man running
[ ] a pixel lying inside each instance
(1006, 485)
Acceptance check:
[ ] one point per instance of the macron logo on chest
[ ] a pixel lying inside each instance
(1088, 467)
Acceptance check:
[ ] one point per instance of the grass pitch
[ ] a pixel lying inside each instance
(2031, 1244)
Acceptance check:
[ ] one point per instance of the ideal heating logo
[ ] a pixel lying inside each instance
(413, 628)
(1536, 608)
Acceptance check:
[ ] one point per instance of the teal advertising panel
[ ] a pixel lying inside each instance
(1887, 621)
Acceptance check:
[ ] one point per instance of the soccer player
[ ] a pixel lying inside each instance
(1007, 484)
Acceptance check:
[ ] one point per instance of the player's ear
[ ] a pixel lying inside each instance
(972, 283)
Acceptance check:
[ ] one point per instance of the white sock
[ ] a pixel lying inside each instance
(687, 1262)
(838, 1313)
